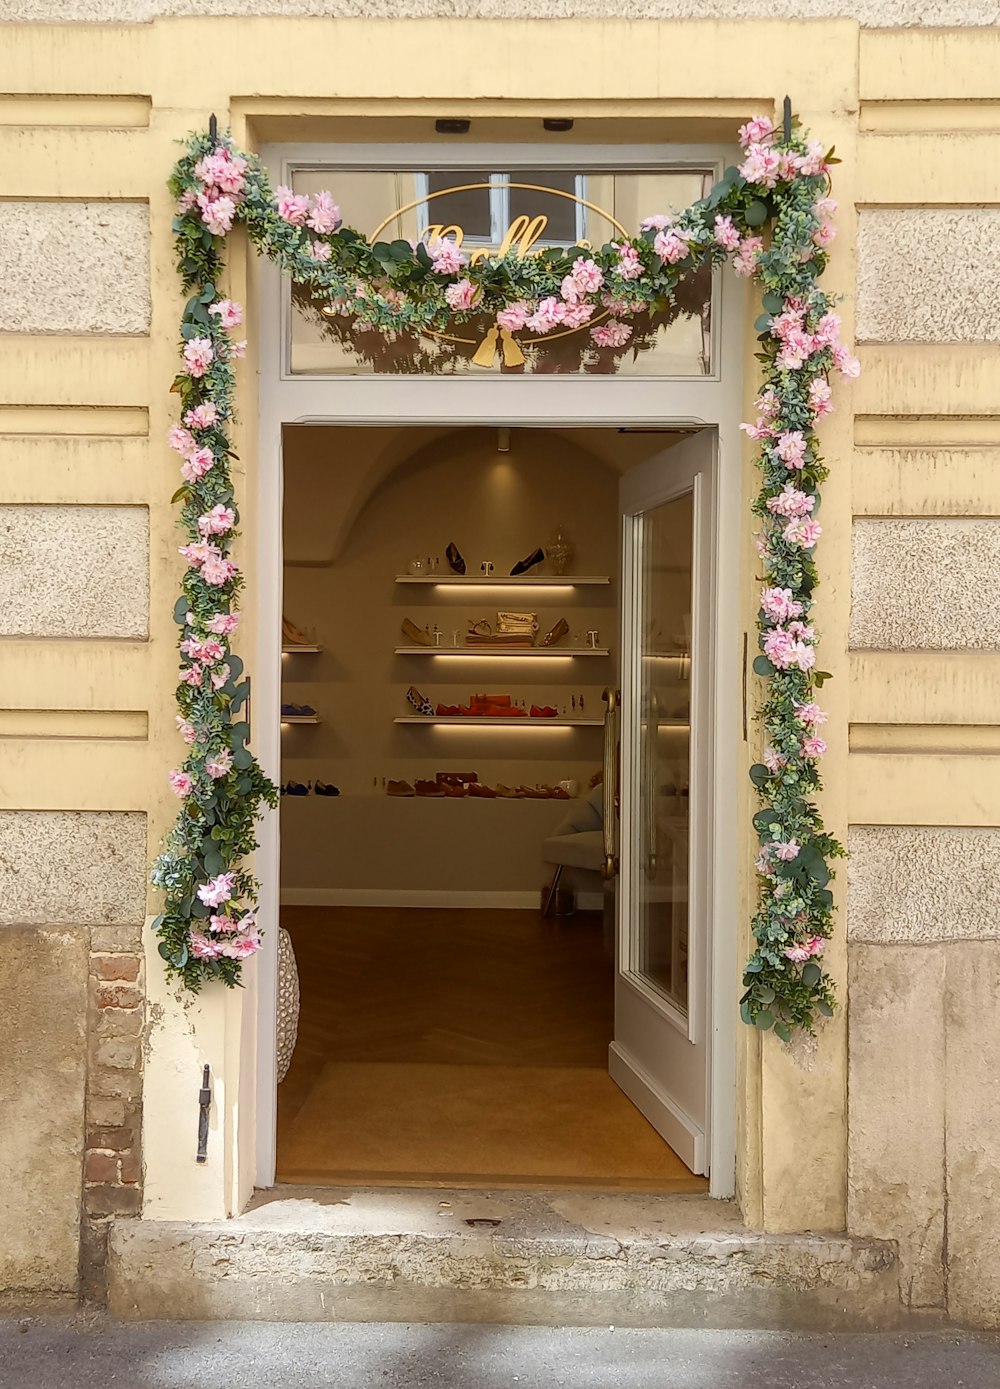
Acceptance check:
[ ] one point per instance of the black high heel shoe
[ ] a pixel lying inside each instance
(454, 558)
(523, 565)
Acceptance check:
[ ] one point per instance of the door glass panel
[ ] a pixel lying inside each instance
(559, 208)
(659, 944)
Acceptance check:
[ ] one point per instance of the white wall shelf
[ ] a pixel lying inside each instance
(295, 649)
(504, 580)
(485, 721)
(300, 718)
(502, 652)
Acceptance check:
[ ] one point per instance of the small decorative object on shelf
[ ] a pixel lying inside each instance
(486, 567)
(292, 635)
(559, 550)
(417, 566)
(593, 638)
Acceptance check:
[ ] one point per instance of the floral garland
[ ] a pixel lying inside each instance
(207, 927)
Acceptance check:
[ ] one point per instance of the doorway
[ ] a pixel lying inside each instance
(457, 1017)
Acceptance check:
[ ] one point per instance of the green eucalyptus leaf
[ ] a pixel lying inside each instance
(762, 666)
(782, 1030)
(759, 774)
(764, 1020)
(823, 1007)
(811, 973)
(238, 734)
(181, 608)
(762, 323)
(772, 303)
(765, 995)
(164, 950)
(214, 863)
(756, 214)
(242, 759)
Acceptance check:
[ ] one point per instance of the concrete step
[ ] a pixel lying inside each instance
(514, 1257)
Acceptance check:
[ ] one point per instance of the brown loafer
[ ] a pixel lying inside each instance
(429, 788)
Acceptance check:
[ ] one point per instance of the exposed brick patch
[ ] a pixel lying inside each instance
(112, 1165)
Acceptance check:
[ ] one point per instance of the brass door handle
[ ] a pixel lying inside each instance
(610, 866)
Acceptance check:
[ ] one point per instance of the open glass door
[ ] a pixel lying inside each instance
(659, 1055)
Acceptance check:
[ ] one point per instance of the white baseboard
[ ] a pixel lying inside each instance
(405, 897)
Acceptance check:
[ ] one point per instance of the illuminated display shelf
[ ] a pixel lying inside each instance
(300, 718)
(295, 650)
(502, 652)
(504, 581)
(484, 721)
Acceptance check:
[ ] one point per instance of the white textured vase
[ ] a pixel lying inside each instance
(288, 1002)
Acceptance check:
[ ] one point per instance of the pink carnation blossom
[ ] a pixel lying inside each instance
(813, 747)
(791, 502)
(229, 313)
(659, 220)
(515, 316)
(796, 347)
(217, 212)
(217, 521)
(786, 852)
(823, 235)
(577, 315)
(629, 265)
(761, 166)
(293, 208)
(791, 448)
(789, 164)
(763, 860)
(549, 314)
(784, 651)
(813, 161)
(197, 464)
(201, 947)
(222, 624)
(759, 430)
(205, 652)
(773, 760)
(319, 250)
(587, 276)
(186, 729)
(325, 215)
(845, 363)
(187, 200)
(768, 403)
(802, 532)
(798, 954)
(820, 395)
(446, 256)
(219, 765)
(671, 246)
(181, 440)
(217, 571)
(202, 416)
(611, 334)
(220, 676)
(726, 234)
(816, 945)
(192, 676)
(746, 258)
(811, 714)
(238, 350)
(241, 947)
(779, 605)
(198, 356)
(222, 169)
(757, 131)
(217, 890)
(219, 924)
(180, 783)
(463, 294)
(196, 553)
(788, 321)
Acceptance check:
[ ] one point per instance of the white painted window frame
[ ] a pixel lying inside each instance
(539, 401)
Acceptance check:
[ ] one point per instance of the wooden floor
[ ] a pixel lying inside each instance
(458, 1045)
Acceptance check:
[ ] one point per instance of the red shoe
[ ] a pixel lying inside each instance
(546, 712)
(486, 792)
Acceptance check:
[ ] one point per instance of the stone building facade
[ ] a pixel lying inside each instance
(888, 1127)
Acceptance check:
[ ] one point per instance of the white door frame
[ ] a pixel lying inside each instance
(553, 402)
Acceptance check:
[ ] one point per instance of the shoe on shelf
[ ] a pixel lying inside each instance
(533, 793)
(324, 788)
(419, 701)
(295, 788)
(455, 559)
(292, 635)
(428, 788)
(456, 778)
(399, 788)
(450, 789)
(545, 712)
(298, 711)
(420, 636)
(529, 562)
(556, 634)
(555, 793)
(447, 711)
(507, 793)
(486, 792)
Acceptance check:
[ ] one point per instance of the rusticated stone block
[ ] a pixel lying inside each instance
(80, 867)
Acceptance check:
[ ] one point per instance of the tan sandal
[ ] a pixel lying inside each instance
(556, 634)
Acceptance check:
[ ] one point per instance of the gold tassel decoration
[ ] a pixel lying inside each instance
(486, 352)
(512, 354)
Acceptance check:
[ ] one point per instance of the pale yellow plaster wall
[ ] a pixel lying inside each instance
(83, 411)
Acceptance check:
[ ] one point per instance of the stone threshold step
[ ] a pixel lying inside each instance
(566, 1258)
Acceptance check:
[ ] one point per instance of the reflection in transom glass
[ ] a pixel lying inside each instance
(490, 211)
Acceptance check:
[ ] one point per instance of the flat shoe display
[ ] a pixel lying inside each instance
(545, 712)
(324, 788)
(428, 788)
(419, 635)
(399, 788)
(533, 793)
(556, 793)
(450, 790)
(507, 792)
(292, 635)
(454, 558)
(456, 778)
(486, 792)
(556, 634)
(447, 711)
(297, 711)
(295, 788)
(529, 562)
(419, 701)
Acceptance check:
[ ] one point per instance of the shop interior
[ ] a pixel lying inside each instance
(450, 623)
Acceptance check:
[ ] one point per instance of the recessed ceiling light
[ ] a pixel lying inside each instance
(451, 126)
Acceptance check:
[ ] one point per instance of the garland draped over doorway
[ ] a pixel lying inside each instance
(772, 217)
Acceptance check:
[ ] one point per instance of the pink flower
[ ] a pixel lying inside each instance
(197, 552)
(229, 313)
(845, 363)
(217, 521)
(816, 945)
(198, 356)
(828, 329)
(515, 316)
(791, 502)
(222, 923)
(181, 440)
(788, 851)
(802, 532)
(761, 166)
(549, 314)
(293, 208)
(726, 234)
(611, 334)
(811, 714)
(629, 265)
(587, 278)
(788, 321)
(671, 246)
(217, 212)
(773, 761)
(187, 201)
(446, 256)
(824, 209)
(798, 345)
(202, 416)
(791, 448)
(217, 571)
(577, 315)
(798, 954)
(813, 161)
(325, 214)
(757, 131)
(241, 947)
(192, 676)
(222, 169)
(788, 164)
(219, 765)
(760, 430)
(659, 221)
(197, 464)
(745, 261)
(463, 294)
(186, 730)
(782, 650)
(820, 397)
(813, 747)
(823, 235)
(180, 783)
(220, 676)
(763, 860)
(768, 403)
(201, 947)
(779, 605)
(205, 652)
(217, 890)
(319, 250)
(222, 624)
(238, 350)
